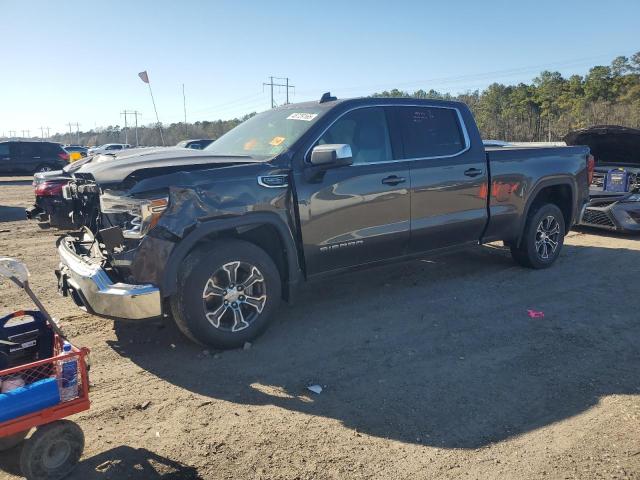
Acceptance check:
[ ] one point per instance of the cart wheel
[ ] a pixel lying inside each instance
(11, 441)
(52, 451)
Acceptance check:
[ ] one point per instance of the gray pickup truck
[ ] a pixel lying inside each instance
(216, 238)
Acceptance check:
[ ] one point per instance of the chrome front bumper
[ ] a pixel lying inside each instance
(91, 287)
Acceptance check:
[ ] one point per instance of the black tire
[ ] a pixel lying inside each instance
(530, 252)
(196, 315)
(7, 443)
(43, 168)
(52, 451)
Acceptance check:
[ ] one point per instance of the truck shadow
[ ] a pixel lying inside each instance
(439, 352)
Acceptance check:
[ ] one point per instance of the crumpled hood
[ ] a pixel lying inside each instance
(609, 144)
(116, 168)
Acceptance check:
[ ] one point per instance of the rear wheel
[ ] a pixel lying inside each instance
(43, 168)
(52, 451)
(227, 292)
(542, 238)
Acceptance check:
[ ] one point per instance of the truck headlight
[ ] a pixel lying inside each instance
(143, 213)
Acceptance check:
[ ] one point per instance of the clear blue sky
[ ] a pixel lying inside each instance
(68, 61)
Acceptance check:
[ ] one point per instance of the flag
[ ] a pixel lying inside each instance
(144, 76)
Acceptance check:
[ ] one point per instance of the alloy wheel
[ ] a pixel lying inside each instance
(234, 296)
(547, 237)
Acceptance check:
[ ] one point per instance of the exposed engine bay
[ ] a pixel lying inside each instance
(615, 188)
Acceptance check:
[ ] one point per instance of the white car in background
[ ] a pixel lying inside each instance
(108, 148)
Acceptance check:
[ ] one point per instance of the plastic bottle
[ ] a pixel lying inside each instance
(69, 375)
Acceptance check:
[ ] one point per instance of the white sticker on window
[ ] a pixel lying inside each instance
(307, 117)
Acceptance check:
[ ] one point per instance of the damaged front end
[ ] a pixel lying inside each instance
(115, 266)
(85, 275)
(111, 267)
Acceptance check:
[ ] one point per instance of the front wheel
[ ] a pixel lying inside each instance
(227, 292)
(542, 238)
(52, 451)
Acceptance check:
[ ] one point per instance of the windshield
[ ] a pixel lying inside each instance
(267, 134)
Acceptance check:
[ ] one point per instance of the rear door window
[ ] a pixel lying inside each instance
(27, 150)
(430, 132)
(4, 150)
(51, 149)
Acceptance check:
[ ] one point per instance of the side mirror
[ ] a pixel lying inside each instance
(331, 155)
(13, 269)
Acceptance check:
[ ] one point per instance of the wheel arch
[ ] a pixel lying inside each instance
(560, 191)
(265, 230)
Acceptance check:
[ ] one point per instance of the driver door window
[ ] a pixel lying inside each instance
(366, 131)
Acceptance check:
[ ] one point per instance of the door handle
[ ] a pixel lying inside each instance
(473, 172)
(393, 180)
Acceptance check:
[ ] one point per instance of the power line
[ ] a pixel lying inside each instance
(135, 113)
(474, 76)
(272, 84)
(77, 132)
(237, 100)
(126, 132)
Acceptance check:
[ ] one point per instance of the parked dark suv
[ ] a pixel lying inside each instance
(31, 157)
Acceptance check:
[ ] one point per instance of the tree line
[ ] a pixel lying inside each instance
(544, 110)
(150, 134)
(551, 106)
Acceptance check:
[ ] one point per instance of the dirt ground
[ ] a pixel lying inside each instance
(431, 369)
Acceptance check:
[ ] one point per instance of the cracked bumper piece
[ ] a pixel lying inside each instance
(91, 287)
(616, 216)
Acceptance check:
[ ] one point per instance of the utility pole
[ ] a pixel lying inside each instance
(126, 134)
(184, 105)
(135, 113)
(48, 136)
(12, 133)
(272, 84)
(41, 134)
(28, 133)
(71, 132)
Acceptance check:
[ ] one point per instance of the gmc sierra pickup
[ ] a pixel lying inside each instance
(216, 238)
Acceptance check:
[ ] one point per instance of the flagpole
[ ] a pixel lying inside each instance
(156, 110)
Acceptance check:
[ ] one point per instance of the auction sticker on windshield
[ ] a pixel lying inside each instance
(275, 141)
(307, 117)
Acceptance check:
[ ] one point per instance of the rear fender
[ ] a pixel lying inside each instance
(542, 184)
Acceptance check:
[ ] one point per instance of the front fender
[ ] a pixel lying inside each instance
(205, 229)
